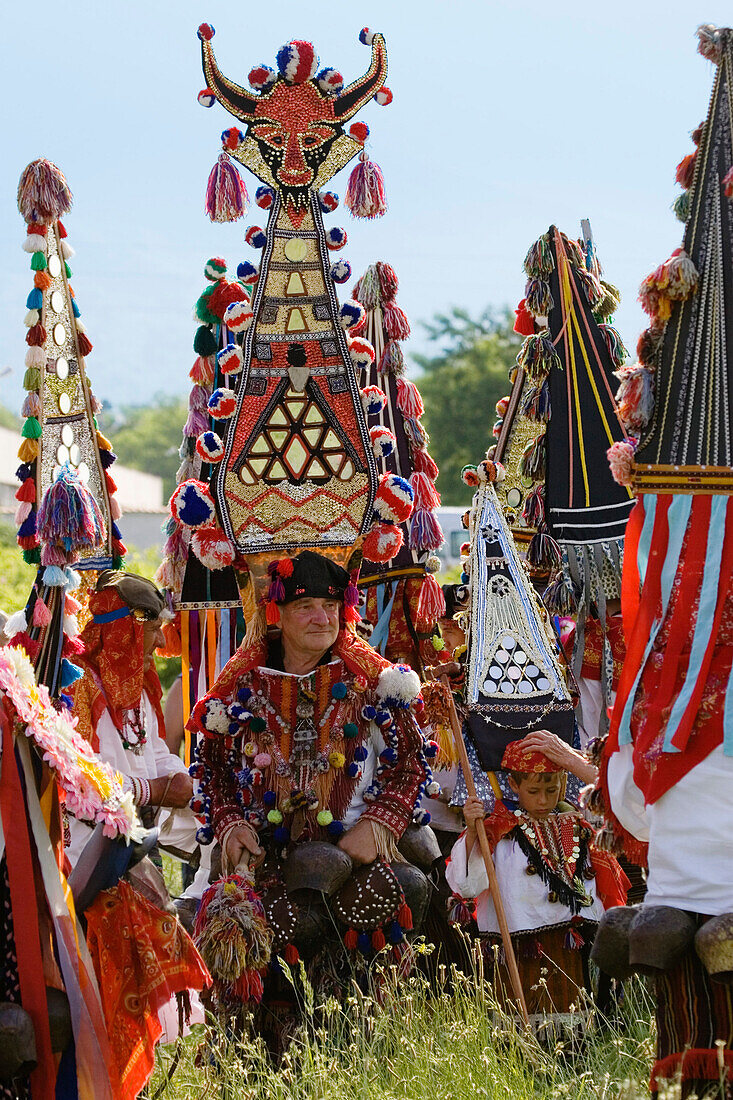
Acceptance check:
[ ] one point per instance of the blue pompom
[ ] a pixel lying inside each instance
(388, 756)
(24, 471)
(281, 835)
(204, 835)
(339, 690)
(369, 712)
(360, 753)
(247, 272)
(353, 771)
(351, 314)
(269, 799)
(335, 828)
(75, 309)
(341, 271)
(34, 299)
(244, 694)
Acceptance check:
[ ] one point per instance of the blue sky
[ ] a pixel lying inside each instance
(507, 116)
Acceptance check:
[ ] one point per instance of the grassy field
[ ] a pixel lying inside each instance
(419, 1044)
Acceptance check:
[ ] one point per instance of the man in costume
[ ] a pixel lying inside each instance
(118, 700)
(667, 768)
(311, 766)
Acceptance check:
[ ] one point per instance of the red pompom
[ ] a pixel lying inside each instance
(206, 32)
(285, 567)
(524, 323)
(27, 491)
(359, 131)
(292, 955)
(383, 542)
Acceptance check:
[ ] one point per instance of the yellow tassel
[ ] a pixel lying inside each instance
(104, 443)
(29, 449)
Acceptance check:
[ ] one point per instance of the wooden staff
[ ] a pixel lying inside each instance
(483, 840)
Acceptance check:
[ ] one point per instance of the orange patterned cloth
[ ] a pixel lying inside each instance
(114, 677)
(142, 957)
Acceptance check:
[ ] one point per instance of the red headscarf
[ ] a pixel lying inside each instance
(517, 759)
(114, 677)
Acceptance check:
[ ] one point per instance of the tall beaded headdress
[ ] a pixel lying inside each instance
(67, 512)
(679, 398)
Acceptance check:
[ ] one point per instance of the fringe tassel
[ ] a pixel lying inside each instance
(365, 193)
(615, 345)
(395, 321)
(539, 261)
(536, 402)
(635, 397)
(425, 493)
(532, 463)
(543, 552)
(560, 596)
(537, 297)
(226, 192)
(537, 356)
(431, 602)
(424, 464)
(621, 460)
(534, 507)
(425, 530)
(393, 359)
(409, 400)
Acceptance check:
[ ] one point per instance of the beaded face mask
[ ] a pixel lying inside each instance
(295, 139)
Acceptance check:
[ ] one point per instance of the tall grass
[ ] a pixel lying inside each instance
(412, 1042)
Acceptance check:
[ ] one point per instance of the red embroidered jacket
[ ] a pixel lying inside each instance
(252, 763)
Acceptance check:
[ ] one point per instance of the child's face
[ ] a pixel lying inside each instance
(538, 795)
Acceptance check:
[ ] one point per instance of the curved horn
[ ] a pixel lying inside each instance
(361, 91)
(236, 100)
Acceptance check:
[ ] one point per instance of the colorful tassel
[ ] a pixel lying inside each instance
(539, 261)
(425, 493)
(534, 507)
(621, 460)
(395, 320)
(226, 193)
(537, 297)
(532, 462)
(425, 530)
(543, 552)
(536, 402)
(538, 356)
(43, 193)
(393, 359)
(430, 604)
(686, 171)
(615, 345)
(365, 193)
(69, 515)
(635, 397)
(409, 401)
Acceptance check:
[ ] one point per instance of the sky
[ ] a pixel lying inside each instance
(507, 117)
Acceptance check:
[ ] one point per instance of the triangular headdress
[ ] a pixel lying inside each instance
(679, 557)
(565, 383)
(278, 456)
(67, 512)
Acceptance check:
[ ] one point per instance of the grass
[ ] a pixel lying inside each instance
(413, 1043)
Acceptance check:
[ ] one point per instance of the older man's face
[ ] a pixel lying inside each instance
(153, 639)
(310, 625)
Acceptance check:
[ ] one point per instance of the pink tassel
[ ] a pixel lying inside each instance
(426, 495)
(114, 508)
(621, 460)
(396, 324)
(226, 193)
(365, 194)
(409, 401)
(71, 606)
(196, 423)
(22, 512)
(431, 603)
(41, 614)
(198, 399)
(728, 184)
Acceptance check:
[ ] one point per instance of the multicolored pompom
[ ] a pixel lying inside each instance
(229, 359)
(210, 447)
(297, 61)
(192, 504)
(341, 271)
(350, 314)
(330, 81)
(328, 201)
(207, 97)
(383, 441)
(384, 96)
(373, 400)
(212, 548)
(361, 352)
(359, 131)
(336, 238)
(222, 404)
(262, 78)
(383, 542)
(255, 237)
(247, 273)
(215, 269)
(366, 37)
(394, 499)
(238, 316)
(264, 197)
(232, 138)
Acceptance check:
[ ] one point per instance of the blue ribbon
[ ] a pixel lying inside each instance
(380, 634)
(110, 616)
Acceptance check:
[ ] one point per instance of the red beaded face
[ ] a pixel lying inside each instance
(294, 129)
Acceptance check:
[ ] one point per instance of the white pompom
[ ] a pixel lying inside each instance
(16, 624)
(31, 318)
(216, 718)
(66, 250)
(34, 242)
(399, 684)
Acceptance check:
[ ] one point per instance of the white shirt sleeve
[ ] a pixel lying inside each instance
(627, 801)
(466, 877)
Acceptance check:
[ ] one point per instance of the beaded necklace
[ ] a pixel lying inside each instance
(557, 850)
(134, 725)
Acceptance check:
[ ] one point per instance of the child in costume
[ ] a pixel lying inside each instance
(554, 883)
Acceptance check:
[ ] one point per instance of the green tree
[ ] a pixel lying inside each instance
(8, 419)
(147, 437)
(460, 386)
(16, 578)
